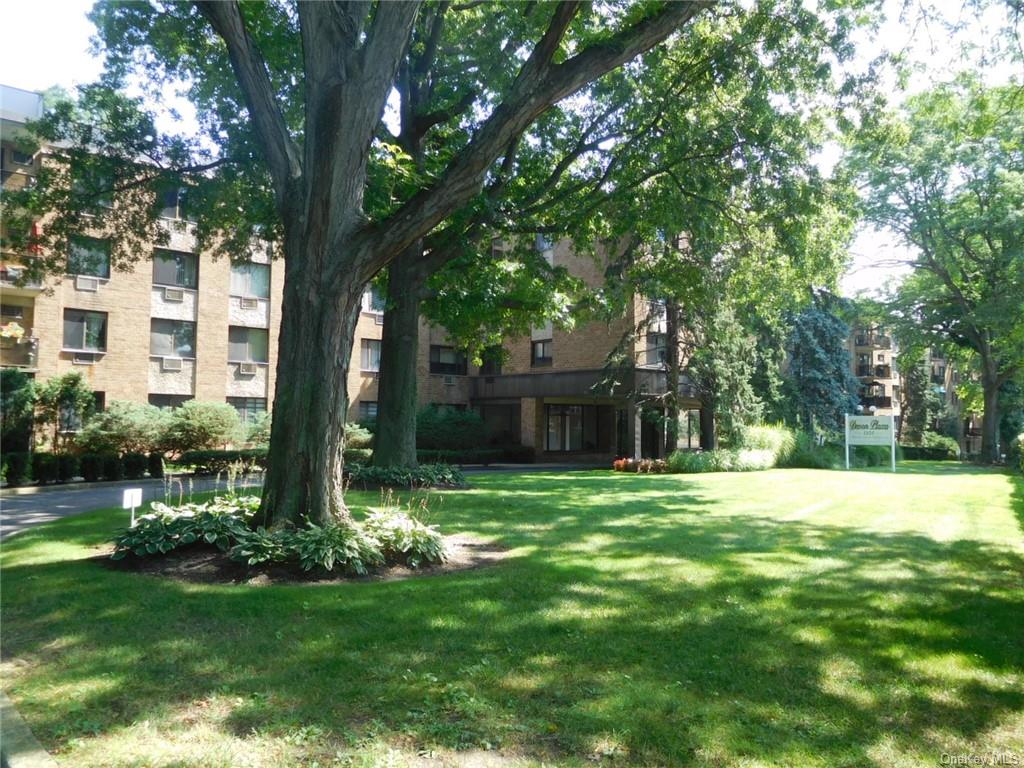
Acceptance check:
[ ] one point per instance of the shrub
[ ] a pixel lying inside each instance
(197, 426)
(135, 465)
(67, 467)
(357, 436)
(124, 427)
(113, 467)
(467, 456)
(17, 402)
(403, 537)
(258, 432)
(807, 454)
(941, 443)
(155, 465)
(17, 463)
(44, 467)
(213, 461)
(358, 455)
(91, 467)
(447, 429)
(338, 544)
(423, 476)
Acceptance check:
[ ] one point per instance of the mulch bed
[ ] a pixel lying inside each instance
(203, 565)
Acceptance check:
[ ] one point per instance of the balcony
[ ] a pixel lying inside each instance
(15, 180)
(877, 401)
(875, 341)
(10, 277)
(19, 353)
(883, 372)
(864, 370)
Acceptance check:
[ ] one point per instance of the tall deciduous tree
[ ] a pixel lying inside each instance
(299, 91)
(946, 174)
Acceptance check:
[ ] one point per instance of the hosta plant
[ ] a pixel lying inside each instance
(403, 537)
(337, 544)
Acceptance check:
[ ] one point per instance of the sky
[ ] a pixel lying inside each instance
(61, 57)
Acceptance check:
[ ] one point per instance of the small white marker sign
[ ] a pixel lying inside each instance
(132, 498)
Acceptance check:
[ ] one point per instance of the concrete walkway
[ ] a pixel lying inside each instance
(22, 511)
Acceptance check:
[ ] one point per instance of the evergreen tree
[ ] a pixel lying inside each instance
(820, 378)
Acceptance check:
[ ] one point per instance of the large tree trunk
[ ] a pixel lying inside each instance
(395, 440)
(708, 439)
(304, 468)
(672, 376)
(990, 420)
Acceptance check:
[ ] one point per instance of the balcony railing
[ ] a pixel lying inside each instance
(883, 372)
(872, 340)
(15, 180)
(877, 401)
(863, 370)
(20, 353)
(10, 276)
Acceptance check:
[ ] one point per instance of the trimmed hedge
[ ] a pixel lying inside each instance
(213, 461)
(45, 467)
(423, 476)
(67, 467)
(91, 467)
(135, 465)
(113, 467)
(921, 452)
(155, 464)
(17, 464)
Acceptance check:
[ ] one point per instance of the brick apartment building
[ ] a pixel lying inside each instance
(873, 359)
(212, 335)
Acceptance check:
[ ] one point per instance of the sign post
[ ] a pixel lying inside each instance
(132, 498)
(871, 430)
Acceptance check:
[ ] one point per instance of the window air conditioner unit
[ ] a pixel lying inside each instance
(83, 358)
(379, 318)
(174, 294)
(247, 369)
(85, 283)
(449, 381)
(170, 364)
(249, 303)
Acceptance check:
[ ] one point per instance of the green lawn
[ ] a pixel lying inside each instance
(782, 618)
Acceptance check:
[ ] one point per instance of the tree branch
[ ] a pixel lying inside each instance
(539, 85)
(251, 70)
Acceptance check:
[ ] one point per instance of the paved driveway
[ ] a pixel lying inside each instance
(23, 511)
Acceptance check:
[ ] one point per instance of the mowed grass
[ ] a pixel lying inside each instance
(782, 618)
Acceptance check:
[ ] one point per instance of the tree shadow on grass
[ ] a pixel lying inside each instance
(677, 636)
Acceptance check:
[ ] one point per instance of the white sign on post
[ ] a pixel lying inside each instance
(871, 430)
(132, 498)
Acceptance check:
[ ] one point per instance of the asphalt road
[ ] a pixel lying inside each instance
(17, 513)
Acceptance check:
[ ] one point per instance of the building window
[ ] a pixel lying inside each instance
(367, 411)
(96, 188)
(174, 204)
(370, 355)
(89, 256)
(99, 402)
(250, 279)
(175, 268)
(541, 352)
(656, 352)
(169, 402)
(447, 360)
(250, 409)
(373, 300)
(577, 428)
(85, 331)
(247, 345)
(172, 338)
(20, 158)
